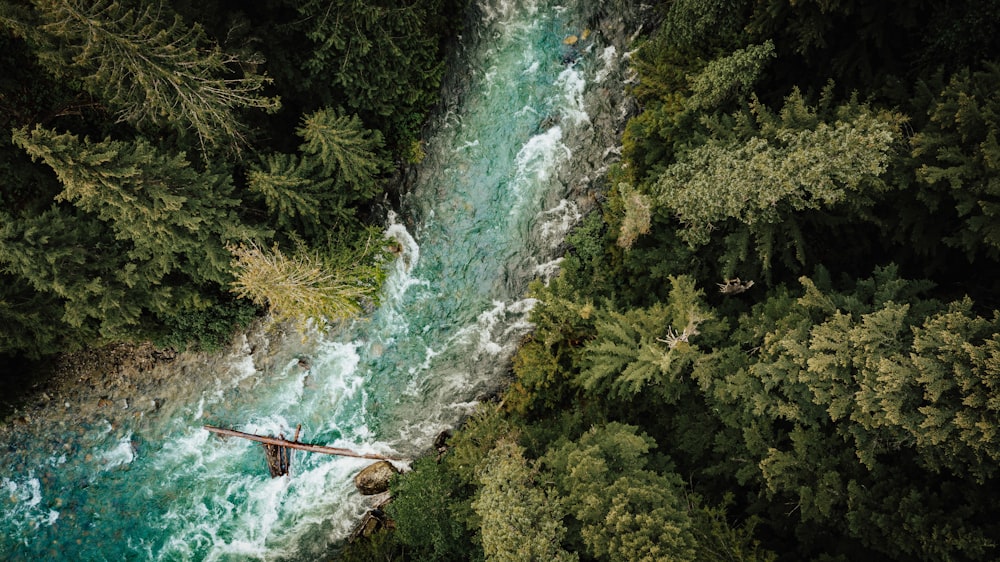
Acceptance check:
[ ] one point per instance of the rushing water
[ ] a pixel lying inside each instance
(527, 127)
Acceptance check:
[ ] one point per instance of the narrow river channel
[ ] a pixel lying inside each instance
(529, 123)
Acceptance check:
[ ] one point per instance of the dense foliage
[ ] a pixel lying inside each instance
(147, 145)
(840, 399)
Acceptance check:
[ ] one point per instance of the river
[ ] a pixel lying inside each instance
(530, 121)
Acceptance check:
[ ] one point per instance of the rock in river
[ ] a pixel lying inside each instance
(374, 479)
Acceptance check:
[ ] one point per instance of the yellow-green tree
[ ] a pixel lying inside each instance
(307, 286)
(519, 520)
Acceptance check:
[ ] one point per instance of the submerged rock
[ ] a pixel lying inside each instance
(374, 479)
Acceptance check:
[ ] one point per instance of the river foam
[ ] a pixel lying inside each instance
(524, 136)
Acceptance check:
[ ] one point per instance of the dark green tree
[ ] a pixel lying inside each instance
(65, 256)
(337, 170)
(173, 217)
(383, 57)
(431, 514)
(148, 65)
(957, 159)
(156, 232)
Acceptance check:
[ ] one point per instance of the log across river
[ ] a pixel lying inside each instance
(279, 442)
(530, 121)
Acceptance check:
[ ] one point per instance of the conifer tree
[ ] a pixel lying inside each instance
(290, 194)
(70, 258)
(32, 321)
(729, 77)
(379, 56)
(339, 144)
(336, 170)
(148, 65)
(958, 158)
(519, 520)
(955, 362)
(307, 286)
(627, 512)
(431, 513)
(645, 349)
(792, 162)
(172, 218)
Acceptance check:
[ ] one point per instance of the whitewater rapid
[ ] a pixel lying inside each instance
(529, 122)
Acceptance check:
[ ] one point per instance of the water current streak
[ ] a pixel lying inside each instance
(509, 162)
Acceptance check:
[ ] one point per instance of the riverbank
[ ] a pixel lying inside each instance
(109, 370)
(121, 380)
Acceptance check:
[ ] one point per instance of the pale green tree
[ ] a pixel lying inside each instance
(308, 286)
(626, 511)
(519, 519)
(729, 77)
(793, 162)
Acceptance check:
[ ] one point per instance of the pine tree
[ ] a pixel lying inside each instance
(958, 159)
(955, 362)
(645, 349)
(69, 257)
(336, 171)
(431, 514)
(291, 196)
(380, 56)
(795, 162)
(173, 218)
(308, 286)
(148, 65)
(730, 77)
(340, 144)
(32, 319)
(637, 219)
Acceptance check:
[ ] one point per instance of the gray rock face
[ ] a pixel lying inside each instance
(374, 479)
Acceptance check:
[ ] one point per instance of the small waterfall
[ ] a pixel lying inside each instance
(529, 125)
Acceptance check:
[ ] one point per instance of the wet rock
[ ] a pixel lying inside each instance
(441, 441)
(373, 521)
(374, 479)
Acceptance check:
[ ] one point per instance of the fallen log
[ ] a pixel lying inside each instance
(300, 446)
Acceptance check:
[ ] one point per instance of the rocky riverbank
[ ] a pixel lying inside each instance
(123, 380)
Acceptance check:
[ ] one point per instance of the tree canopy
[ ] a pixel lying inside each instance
(777, 335)
(145, 140)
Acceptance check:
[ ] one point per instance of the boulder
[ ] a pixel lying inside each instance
(374, 479)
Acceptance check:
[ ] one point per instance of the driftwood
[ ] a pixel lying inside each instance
(279, 458)
(281, 442)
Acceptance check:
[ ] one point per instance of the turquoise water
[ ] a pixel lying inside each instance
(509, 161)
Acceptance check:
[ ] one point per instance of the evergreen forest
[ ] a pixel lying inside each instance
(168, 169)
(778, 336)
